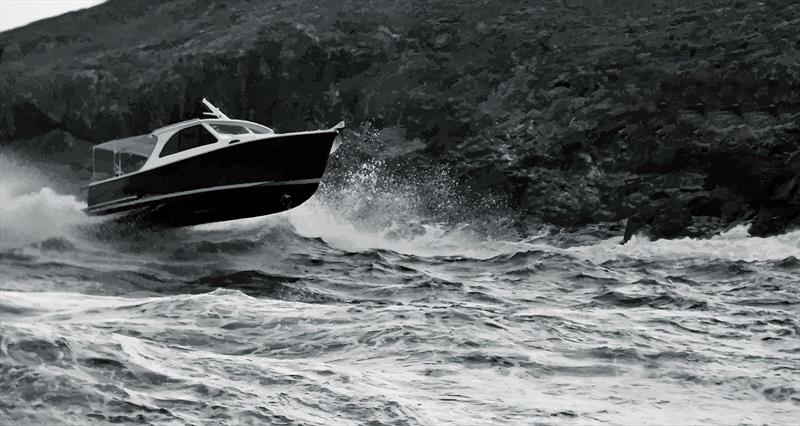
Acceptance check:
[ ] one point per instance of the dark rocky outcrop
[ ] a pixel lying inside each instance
(682, 117)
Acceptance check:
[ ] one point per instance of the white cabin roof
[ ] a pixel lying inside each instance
(141, 145)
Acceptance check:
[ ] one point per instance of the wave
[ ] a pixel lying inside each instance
(733, 245)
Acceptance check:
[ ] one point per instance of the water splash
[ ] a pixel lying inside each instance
(30, 210)
(421, 210)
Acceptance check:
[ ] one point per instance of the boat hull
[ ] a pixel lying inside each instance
(237, 181)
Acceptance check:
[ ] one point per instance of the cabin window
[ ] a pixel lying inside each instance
(188, 138)
(229, 129)
(261, 130)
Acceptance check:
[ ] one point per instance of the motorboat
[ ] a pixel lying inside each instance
(207, 169)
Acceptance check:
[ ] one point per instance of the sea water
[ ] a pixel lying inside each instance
(368, 306)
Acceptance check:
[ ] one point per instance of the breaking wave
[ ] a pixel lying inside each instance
(734, 244)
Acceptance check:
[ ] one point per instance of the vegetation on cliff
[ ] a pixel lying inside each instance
(681, 116)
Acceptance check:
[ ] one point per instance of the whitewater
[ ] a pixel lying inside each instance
(385, 299)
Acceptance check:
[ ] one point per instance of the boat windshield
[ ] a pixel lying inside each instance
(230, 129)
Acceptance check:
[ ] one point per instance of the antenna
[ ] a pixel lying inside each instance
(215, 112)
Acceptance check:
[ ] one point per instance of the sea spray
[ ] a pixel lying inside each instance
(30, 211)
(370, 199)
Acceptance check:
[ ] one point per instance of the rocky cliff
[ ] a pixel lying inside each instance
(682, 117)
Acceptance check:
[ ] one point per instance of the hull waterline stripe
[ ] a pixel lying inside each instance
(121, 202)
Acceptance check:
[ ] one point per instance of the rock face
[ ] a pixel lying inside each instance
(682, 117)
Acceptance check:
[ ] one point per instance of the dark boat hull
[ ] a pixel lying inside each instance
(242, 180)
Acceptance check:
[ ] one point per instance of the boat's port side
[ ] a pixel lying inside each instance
(276, 159)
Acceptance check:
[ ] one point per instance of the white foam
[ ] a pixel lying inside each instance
(734, 245)
(31, 211)
(63, 302)
(316, 220)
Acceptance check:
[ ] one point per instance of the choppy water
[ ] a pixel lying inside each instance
(363, 307)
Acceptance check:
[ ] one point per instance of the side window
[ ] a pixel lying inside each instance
(260, 130)
(188, 138)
